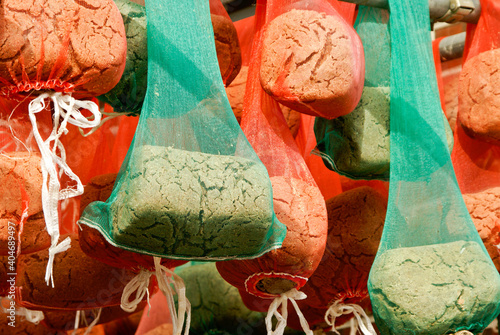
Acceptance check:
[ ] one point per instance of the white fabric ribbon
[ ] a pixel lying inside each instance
(282, 301)
(66, 110)
(138, 284)
(338, 308)
(184, 307)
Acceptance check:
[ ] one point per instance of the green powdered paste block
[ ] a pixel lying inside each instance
(216, 306)
(357, 145)
(128, 95)
(192, 204)
(434, 289)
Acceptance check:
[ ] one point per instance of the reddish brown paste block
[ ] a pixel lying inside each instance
(355, 224)
(312, 63)
(484, 209)
(72, 46)
(80, 281)
(479, 97)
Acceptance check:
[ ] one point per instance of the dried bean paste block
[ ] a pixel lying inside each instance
(203, 204)
(313, 63)
(428, 287)
(191, 185)
(479, 97)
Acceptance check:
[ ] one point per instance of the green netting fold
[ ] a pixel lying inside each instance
(432, 274)
(128, 95)
(191, 186)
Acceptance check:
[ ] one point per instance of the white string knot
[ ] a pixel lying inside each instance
(66, 110)
(282, 301)
(80, 315)
(138, 284)
(53, 250)
(338, 309)
(184, 307)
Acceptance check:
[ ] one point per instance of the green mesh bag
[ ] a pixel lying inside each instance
(357, 144)
(128, 95)
(191, 186)
(432, 274)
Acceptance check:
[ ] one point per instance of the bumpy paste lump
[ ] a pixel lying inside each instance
(311, 62)
(434, 289)
(190, 204)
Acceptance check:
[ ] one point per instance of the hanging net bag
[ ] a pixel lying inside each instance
(53, 55)
(432, 274)
(191, 187)
(476, 155)
(279, 274)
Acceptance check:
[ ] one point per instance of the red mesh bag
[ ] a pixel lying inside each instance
(327, 180)
(236, 91)
(22, 224)
(312, 59)
(157, 316)
(355, 222)
(439, 73)
(52, 54)
(298, 202)
(476, 152)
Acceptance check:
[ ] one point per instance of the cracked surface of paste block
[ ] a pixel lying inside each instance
(484, 209)
(94, 244)
(77, 46)
(215, 304)
(190, 204)
(311, 63)
(227, 47)
(479, 97)
(434, 289)
(21, 180)
(80, 281)
(355, 222)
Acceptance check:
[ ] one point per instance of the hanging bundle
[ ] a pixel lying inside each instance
(339, 285)
(191, 186)
(298, 203)
(476, 155)
(53, 55)
(432, 274)
(312, 59)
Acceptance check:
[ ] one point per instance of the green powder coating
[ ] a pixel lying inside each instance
(128, 95)
(216, 306)
(193, 205)
(357, 145)
(434, 289)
